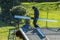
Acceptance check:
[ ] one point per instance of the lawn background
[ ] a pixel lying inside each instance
(42, 7)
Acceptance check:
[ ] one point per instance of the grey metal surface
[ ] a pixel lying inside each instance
(52, 34)
(54, 37)
(32, 36)
(51, 31)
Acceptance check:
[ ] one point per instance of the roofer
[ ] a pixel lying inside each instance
(36, 16)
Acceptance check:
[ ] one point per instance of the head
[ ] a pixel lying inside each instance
(33, 7)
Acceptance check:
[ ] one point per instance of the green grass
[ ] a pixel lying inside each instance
(4, 31)
(53, 14)
(42, 7)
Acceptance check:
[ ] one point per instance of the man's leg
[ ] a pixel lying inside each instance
(34, 23)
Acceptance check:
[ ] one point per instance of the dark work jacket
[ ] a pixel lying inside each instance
(36, 13)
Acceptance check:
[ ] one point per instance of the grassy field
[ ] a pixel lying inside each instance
(4, 30)
(42, 7)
